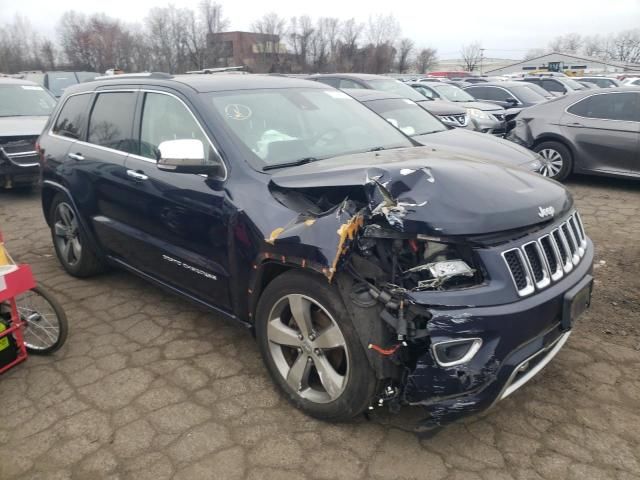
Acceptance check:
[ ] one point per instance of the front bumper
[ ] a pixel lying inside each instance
(15, 174)
(490, 125)
(526, 333)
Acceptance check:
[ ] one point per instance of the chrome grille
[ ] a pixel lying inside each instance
(460, 120)
(548, 258)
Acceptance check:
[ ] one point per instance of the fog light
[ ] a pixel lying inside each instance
(455, 352)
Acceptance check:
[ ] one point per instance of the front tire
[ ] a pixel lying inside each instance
(311, 348)
(557, 162)
(46, 325)
(71, 243)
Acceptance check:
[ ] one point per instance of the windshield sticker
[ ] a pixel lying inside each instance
(336, 94)
(31, 87)
(237, 111)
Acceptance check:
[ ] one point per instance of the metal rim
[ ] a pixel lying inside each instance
(552, 162)
(308, 348)
(42, 325)
(67, 234)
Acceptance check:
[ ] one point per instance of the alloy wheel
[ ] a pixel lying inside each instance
(552, 162)
(308, 348)
(67, 234)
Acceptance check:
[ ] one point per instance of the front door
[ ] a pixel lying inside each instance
(179, 221)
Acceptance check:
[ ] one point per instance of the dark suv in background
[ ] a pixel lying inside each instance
(372, 272)
(57, 81)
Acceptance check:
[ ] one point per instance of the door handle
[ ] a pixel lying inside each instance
(75, 156)
(137, 175)
(575, 124)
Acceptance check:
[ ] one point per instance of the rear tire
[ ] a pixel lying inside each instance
(557, 162)
(321, 366)
(72, 246)
(46, 325)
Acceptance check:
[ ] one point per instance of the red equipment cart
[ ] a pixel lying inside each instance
(14, 280)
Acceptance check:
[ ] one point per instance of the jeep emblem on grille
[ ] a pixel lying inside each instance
(546, 212)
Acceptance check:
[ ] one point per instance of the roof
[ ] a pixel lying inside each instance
(204, 82)
(15, 81)
(367, 95)
(358, 76)
(505, 84)
(584, 58)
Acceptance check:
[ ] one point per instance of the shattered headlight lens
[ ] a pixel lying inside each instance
(477, 114)
(442, 271)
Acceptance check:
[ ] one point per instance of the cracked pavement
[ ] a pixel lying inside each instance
(150, 386)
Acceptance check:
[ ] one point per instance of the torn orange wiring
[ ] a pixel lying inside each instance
(384, 351)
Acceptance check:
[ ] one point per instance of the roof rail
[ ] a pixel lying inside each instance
(158, 75)
(240, 68)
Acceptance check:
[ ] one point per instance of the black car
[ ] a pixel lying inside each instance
(595, 132)
(57, 81)
(372, 272)
(509, 94)
(24, 110)
(484, 117)
(426, 129)
(557, 86)
(450, 113)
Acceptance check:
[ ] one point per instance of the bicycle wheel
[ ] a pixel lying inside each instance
(46, 327)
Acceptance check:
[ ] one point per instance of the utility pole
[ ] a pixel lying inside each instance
(481, 59)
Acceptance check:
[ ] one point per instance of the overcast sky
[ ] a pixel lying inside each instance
(505, 29)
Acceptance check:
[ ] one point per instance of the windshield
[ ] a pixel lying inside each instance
(453, 93)
(58, 81)
(280, 126)
(25, 100)
(529, 95)
(407, 116)
(573, 84)
(397, 87)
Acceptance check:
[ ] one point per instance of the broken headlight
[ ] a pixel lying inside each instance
(420, 262)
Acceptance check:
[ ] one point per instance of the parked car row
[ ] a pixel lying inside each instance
(373, 270)
(57, 81)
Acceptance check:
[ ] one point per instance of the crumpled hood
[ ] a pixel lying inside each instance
(419, 190)
(478, 145)
(22, 126)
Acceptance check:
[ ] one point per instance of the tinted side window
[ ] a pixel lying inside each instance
(344, 83)
(553, 86)
(166, 118)
(613, 106)
(111, 121)
(71, 121)
(499, 94)
(481, 93)
(330, 81)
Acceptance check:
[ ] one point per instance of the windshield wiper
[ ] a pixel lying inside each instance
(294, 163)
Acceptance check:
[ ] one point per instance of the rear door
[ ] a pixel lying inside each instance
(605, 130)
(178, 222)
(99, 171)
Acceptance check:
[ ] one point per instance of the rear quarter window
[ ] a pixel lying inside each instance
(111, 121)
(608, 106)
(73, 117)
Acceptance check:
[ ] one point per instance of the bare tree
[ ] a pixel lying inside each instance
(349, 38)
(300, 34)
(405, 48)
(471, 55)
(382, 32)
(213, 22)
(271, 27)
(626, 46)
(426, 59)
(534, 53)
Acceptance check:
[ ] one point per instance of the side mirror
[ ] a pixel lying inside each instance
(185, 156)
(512, 101)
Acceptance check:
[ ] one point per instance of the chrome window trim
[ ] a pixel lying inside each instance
(611, 92)
(546, 280)
(476, 343)
(145, 90)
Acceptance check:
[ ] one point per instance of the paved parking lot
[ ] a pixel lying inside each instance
(148, 386)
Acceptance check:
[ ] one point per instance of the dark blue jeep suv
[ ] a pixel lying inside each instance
(372, 271)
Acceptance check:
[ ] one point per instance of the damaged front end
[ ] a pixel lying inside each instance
(406, 244)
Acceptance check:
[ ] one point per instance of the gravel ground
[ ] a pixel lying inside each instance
(149, 386)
